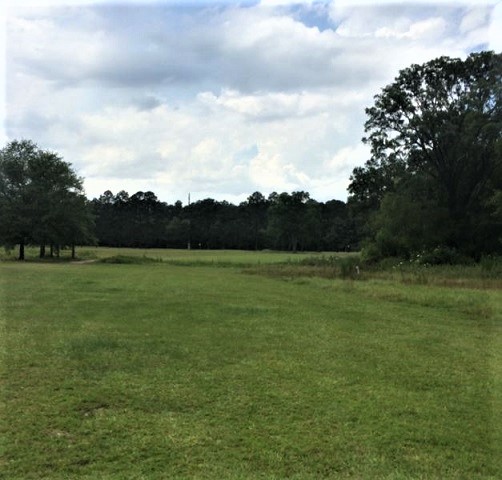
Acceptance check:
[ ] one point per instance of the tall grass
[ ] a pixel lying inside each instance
(485, 274)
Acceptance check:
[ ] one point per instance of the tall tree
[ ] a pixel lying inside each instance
(60, 212)
(16, 206)
(41, 199)
(338, 227)
(441, 121)
(288, 214)
(254, 211)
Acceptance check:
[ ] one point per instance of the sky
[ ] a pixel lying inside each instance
(219, 99)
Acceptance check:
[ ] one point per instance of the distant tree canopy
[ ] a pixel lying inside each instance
(41, 200)
(281, 221)
(435, 173)
(294, 221)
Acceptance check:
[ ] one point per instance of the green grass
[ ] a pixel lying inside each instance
(177, 256)
(157, 370)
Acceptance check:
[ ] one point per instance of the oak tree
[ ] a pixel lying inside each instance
(438, 124)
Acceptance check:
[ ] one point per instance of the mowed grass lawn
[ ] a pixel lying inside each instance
(161, 371)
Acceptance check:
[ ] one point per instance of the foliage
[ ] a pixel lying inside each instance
(41, 199)
(283, 221)
(255, 211)
(491, 266)
(129, 260)
(345, 266)
(409, 221)
(443, 255)
(131, 221)
(436, 164)
(289, 219)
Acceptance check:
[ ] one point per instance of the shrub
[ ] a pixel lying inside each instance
(125, 259)
(349, 267)
(371, 253)
(442, 255)
(320, 261)
(345, 267)
(491, 266)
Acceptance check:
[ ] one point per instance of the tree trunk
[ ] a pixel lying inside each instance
(42, 251)
(73, 251)
(52, 250)
(21, 250)
(294, 243)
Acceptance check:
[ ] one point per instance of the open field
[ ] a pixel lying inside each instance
(177, 256)
(191, 370)
(484, 275)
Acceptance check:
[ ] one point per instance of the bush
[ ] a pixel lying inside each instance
(491, 266)
(345, 267)
(371, 253)
(349, 267)
(443, 255)
(320, 261)
(130, 260)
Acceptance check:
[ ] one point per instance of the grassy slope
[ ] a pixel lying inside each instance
(161, 371)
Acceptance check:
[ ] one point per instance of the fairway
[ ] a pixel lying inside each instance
(165, 370)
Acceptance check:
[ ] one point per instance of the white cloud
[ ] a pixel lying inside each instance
(429, 29)
(271, 172)
(219, 101)
(107, 158)
(380, 3)
(276, 3)
(346, 157)
(273, 106)
(474, 18)
(495, 30)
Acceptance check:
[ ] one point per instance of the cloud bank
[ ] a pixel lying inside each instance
(219, 99)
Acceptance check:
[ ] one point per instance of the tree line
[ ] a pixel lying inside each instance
(285, 221)
(42, 203)
(432, 186)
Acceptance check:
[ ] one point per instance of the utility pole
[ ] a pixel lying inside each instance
(189, 225)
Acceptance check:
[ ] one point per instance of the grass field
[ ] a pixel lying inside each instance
(174, 256)
(192, 368)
